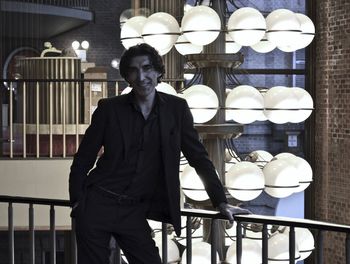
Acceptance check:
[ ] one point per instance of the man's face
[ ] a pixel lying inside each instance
(142, 76)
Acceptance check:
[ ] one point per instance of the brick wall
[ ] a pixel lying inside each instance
(332, 115)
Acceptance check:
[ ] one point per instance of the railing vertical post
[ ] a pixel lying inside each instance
(11, 235)
(188, 240)
(239, 242)
(164, 244)
(347, 248)
(50, 119)
(74, 259)
(214, 232)
(291, 245)
(37, 121)
(31, 234)
(264, 245)
(24, 113)
(52, 235)
(320, 247)
(11, 119)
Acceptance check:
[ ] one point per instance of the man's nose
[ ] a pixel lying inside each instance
(140, 75)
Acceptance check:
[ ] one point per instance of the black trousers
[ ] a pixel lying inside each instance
(101, 217)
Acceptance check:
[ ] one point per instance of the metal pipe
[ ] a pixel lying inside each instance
(11, 120)
(347, 248)
(291, 245)
(50, 119)
(37, 121)
(76, 116)
(188, 240)
(164, 244)
(264, 244)
(116, 88)
(24, 131)
(64, 120)
(239, 242)
(214, 240)
(89, 112)
(52, 235)
(320, 247)
(31, 234)
(11, 236)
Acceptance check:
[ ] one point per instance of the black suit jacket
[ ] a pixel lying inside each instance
(110, 128)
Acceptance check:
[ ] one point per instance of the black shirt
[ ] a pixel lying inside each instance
(139, 174)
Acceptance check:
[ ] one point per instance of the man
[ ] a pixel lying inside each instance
(137, 176)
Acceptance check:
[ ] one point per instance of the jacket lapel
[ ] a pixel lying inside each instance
(165, 122)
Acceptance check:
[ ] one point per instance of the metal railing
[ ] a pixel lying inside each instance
(76, 4)
(214, 216)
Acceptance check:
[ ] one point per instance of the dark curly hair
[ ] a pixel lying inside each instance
(141, 50)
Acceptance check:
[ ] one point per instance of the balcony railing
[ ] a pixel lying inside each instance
(77, 4)
(292, 223)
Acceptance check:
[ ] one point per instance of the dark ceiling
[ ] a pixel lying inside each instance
(27, 20)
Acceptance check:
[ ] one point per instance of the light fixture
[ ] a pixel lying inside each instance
(278, 246)
(115, 63)
(161, 31)
(281, 178)
(251, 252)
(201, 25)
(230, 45)
(248, 103)
(184, 47)
(131, 31)
(203, 102)
(245, 181)
(264, 45)
(259, 157)
(307, 31)
(80, 49)
(201, 253)
(192, 185)
(283, 27)
(173, 253)
(246, 26)
(166, 88)
(305, 103)
(305, 241)
(280, 104)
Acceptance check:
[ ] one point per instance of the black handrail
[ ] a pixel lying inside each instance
(213, 215)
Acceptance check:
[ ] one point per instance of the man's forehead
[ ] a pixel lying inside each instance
(139, 61)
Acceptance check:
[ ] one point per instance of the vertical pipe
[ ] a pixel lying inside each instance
(116, 88)
(164, 244)
(264, 245)
(50, 118)
(214, 242)
(11, 120)
(64, 120)
(347, 248)
(31, 235)
(291, 245)
(52, 236)
(76, 115)
(11, 235)
(188, 240)
(89, 112)
(74, 255)
(37, 121)
(24, 131)
(239, 243)
(320, 247)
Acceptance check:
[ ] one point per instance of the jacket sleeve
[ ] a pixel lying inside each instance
(86, 155)
(197, 157)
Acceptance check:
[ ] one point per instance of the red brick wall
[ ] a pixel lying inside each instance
(332, 115)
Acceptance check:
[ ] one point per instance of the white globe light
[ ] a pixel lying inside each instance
(192, 185)
(201, 96)
(306, 105)
(249, 101)
(131, 31)
(230, 45)
(201, 25)
(184, 47)
(260, 157)
(264, 45)
(281, 178)
(305, 241)
(280, 104)
(307, 31)
(283, 27)
(161, 31)
(75, 44)
(278, 246)
(245, 181)
(230, 234)
(246, 26)
(126, 90)
(251, 252)
(287, 48)
(201, 253)
(85, 44)
(166, 88)
(304, 170)
(173, 250)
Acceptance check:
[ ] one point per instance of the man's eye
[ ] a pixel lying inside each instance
(147, 67)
